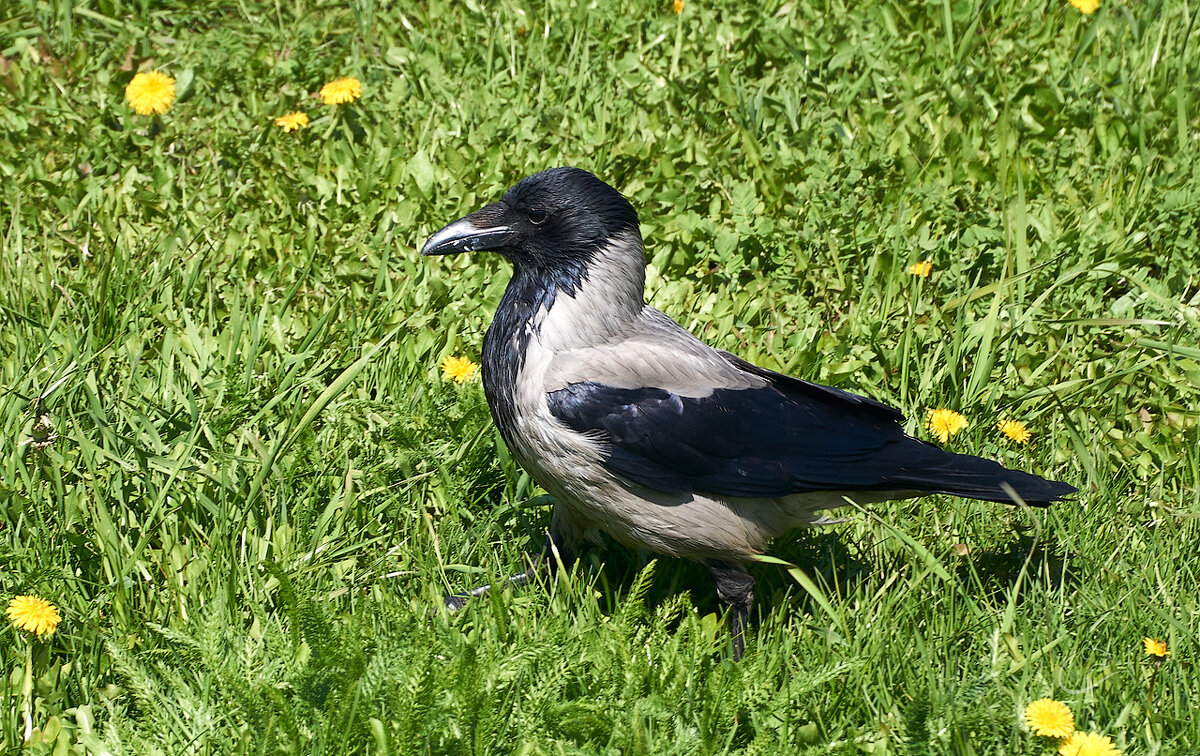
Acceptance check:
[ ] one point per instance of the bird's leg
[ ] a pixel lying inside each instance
(545, 561)
(735, 588)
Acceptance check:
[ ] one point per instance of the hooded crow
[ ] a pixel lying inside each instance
(642, 431)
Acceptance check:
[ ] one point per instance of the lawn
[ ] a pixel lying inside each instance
(232, 461)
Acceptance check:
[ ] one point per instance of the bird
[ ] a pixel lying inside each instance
(641, 431)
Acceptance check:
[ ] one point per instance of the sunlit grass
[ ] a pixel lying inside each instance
(233, 463)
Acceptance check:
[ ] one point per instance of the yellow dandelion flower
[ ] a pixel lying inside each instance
(459, 369)
(1050, 718)
(1015, 429)
(678, 6)
(1155, 647)
(1088, 744)
(341, 90)
(921, 269)
(944, 423)
(33, 615)
(150, 93)
(1086, 7)
(292, 121)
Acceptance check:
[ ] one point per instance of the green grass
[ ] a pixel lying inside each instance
(260, 485)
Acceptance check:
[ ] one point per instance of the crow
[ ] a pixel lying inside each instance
(640, 430)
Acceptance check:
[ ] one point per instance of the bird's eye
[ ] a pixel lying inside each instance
(537, 217)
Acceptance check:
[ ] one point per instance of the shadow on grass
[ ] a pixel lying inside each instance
(835, 562)
(994, 572)
(823, 555)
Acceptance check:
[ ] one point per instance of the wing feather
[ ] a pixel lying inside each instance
(784, 438)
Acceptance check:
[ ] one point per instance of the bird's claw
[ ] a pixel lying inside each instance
(456, 601)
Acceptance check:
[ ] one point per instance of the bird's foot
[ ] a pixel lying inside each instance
(735, 588)
(547, 561)
(738, 620)
(456, 601)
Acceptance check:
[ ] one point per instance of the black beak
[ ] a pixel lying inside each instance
(464, 236)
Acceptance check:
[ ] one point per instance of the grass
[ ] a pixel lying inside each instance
(259, 484)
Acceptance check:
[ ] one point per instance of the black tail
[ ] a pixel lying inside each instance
(933, 470)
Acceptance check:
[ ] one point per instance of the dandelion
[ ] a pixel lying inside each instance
(921, 269)
(39, 617)
(1086, 7)
(944, 423)
(150, 93)
(1050, 718)
(1157, 651)
(292, 121)
(1088, 744)
(1015, 430)
(678, 6)
(1155, 648)
(341, 90)
(459, 369)
(33, 615)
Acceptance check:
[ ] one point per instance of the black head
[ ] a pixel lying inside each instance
(557, 218)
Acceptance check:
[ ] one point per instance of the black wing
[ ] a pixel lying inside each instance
(788, 437)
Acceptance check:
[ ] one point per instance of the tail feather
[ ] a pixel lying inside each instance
(942, 472)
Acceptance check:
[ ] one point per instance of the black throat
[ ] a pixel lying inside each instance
(531, 290)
